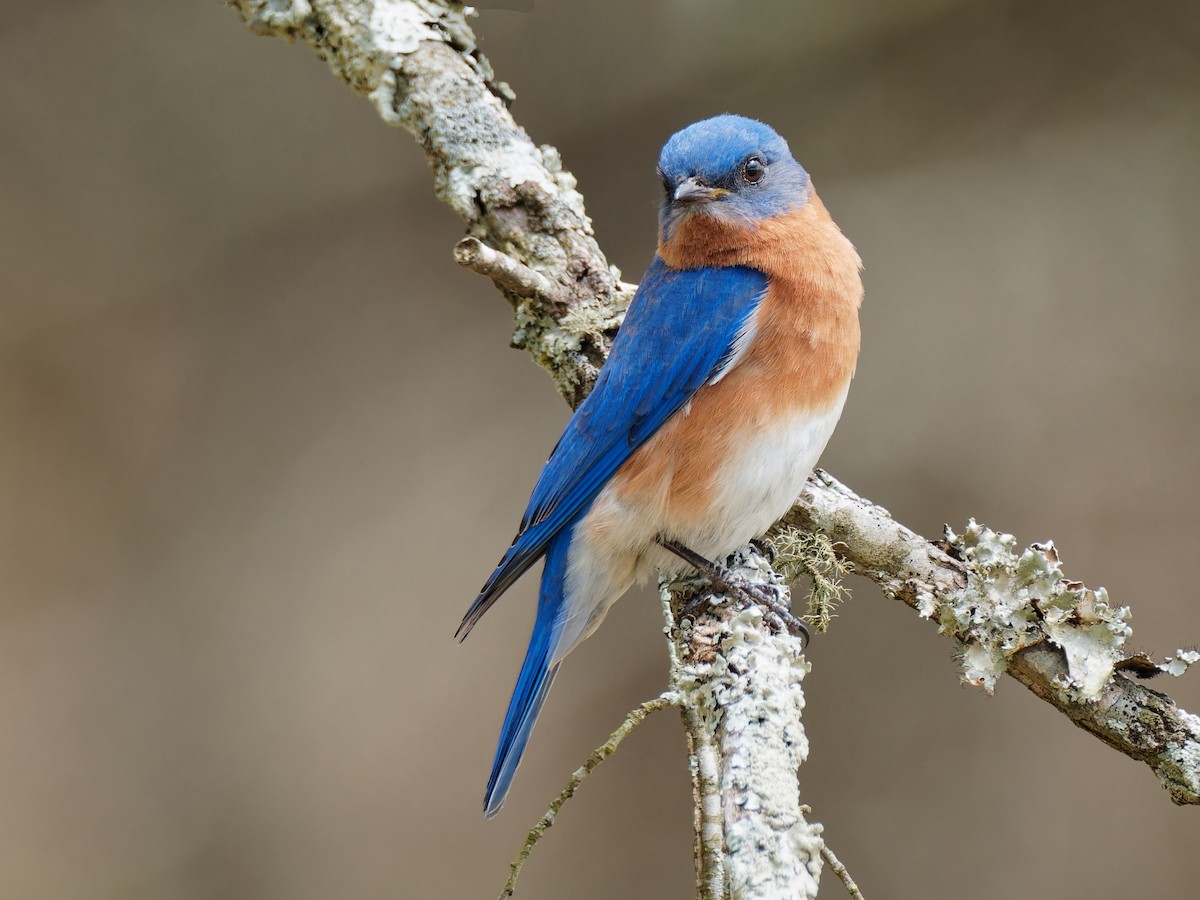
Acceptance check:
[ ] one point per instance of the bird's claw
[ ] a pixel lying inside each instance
(776, 611)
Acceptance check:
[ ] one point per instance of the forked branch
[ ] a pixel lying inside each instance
(1010, 613)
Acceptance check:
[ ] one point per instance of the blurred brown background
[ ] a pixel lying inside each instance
(262, 441)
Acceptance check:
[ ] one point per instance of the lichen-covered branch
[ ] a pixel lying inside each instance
(1014, 613)
(709, 844)
(418, 63)
(741, 683)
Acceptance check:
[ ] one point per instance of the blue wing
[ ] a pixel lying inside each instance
(679, 330)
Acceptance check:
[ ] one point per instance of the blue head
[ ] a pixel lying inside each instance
(728, 167)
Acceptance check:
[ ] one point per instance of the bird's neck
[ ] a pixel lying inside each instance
(802, 249)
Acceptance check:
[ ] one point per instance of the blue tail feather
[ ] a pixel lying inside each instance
(534, 685)
(537, 674)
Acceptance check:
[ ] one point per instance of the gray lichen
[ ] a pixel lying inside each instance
(1015, 600)
(1179, 766)
(1179, 663)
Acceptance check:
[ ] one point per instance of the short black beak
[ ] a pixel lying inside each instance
(692, 189)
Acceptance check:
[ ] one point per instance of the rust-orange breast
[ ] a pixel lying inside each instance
(802, 355)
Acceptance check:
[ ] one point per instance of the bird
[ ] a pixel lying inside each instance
(721, 390)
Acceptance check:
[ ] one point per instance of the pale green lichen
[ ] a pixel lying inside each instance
(588, 319)
(800, 554)
(567, 185)
(1015, 600)
(556, 349)
(558, 345)
(269, 16)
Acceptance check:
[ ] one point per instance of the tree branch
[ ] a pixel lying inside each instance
(417, 62)
(835, 866)
(509, 274)
(741, 689)
(1015, 614)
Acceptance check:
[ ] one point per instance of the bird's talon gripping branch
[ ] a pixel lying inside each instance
(776, 610)
(765, 547)
(696, 606)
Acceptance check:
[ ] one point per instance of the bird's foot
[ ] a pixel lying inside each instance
(763, 546)
(776, 610)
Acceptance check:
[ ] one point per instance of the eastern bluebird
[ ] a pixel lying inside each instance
(722, 388)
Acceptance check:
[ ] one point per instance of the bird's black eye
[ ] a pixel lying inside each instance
(753, 170)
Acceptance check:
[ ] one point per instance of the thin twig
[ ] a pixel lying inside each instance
(839, 870)
(508, 273)
(597, 756)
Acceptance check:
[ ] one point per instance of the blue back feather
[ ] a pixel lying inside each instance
(679, 330)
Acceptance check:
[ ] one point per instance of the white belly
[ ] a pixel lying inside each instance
(760, 483)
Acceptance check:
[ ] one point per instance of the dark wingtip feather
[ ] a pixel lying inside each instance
(516, 562)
